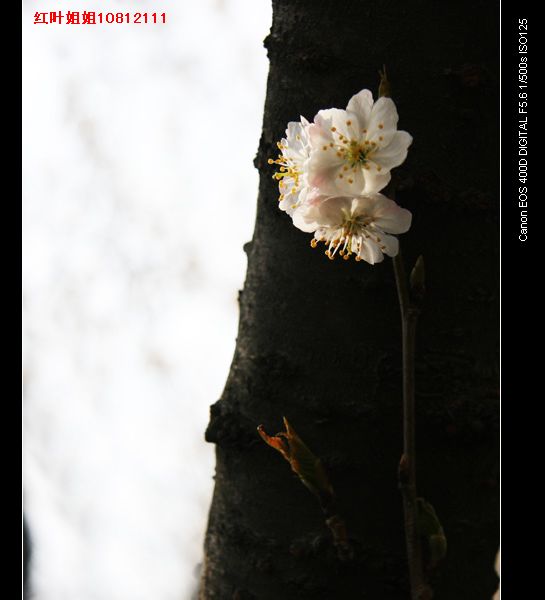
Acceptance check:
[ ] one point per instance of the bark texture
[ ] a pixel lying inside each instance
(319, 341)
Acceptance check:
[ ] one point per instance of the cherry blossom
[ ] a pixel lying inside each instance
(292, 161)
(353, 150)
(356, 226)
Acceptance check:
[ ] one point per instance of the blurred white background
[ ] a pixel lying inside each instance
(139, 192)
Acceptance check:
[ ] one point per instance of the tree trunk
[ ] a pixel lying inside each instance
(319, 341)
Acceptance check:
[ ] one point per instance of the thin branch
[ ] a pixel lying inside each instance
(420, 590)
(402, 287)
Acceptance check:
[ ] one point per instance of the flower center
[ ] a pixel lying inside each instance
(355, 153)
(288, 171)
(349, 237)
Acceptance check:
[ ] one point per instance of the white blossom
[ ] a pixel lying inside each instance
(354, 225)
(293, 162)
(330, 174)
(353, 150)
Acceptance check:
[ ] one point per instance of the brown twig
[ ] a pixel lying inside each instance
(420, 590)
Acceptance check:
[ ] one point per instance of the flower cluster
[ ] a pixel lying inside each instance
(330, 173)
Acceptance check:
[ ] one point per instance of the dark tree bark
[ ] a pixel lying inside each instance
(319, 341)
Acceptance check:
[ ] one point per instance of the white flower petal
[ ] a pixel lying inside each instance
(305, 221)
(323, 175)
(294, 128)
(375, 180)
(317, 136)
(391, 244)
(395, 152)
(368, 204)
(329, 117)
(387, 216)
(335, 122)
(383, 122)
(296, 142)
(288, 205)
(361, 105)
(350, 181)
(333, 210)
(370, 252)
(390, 217)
